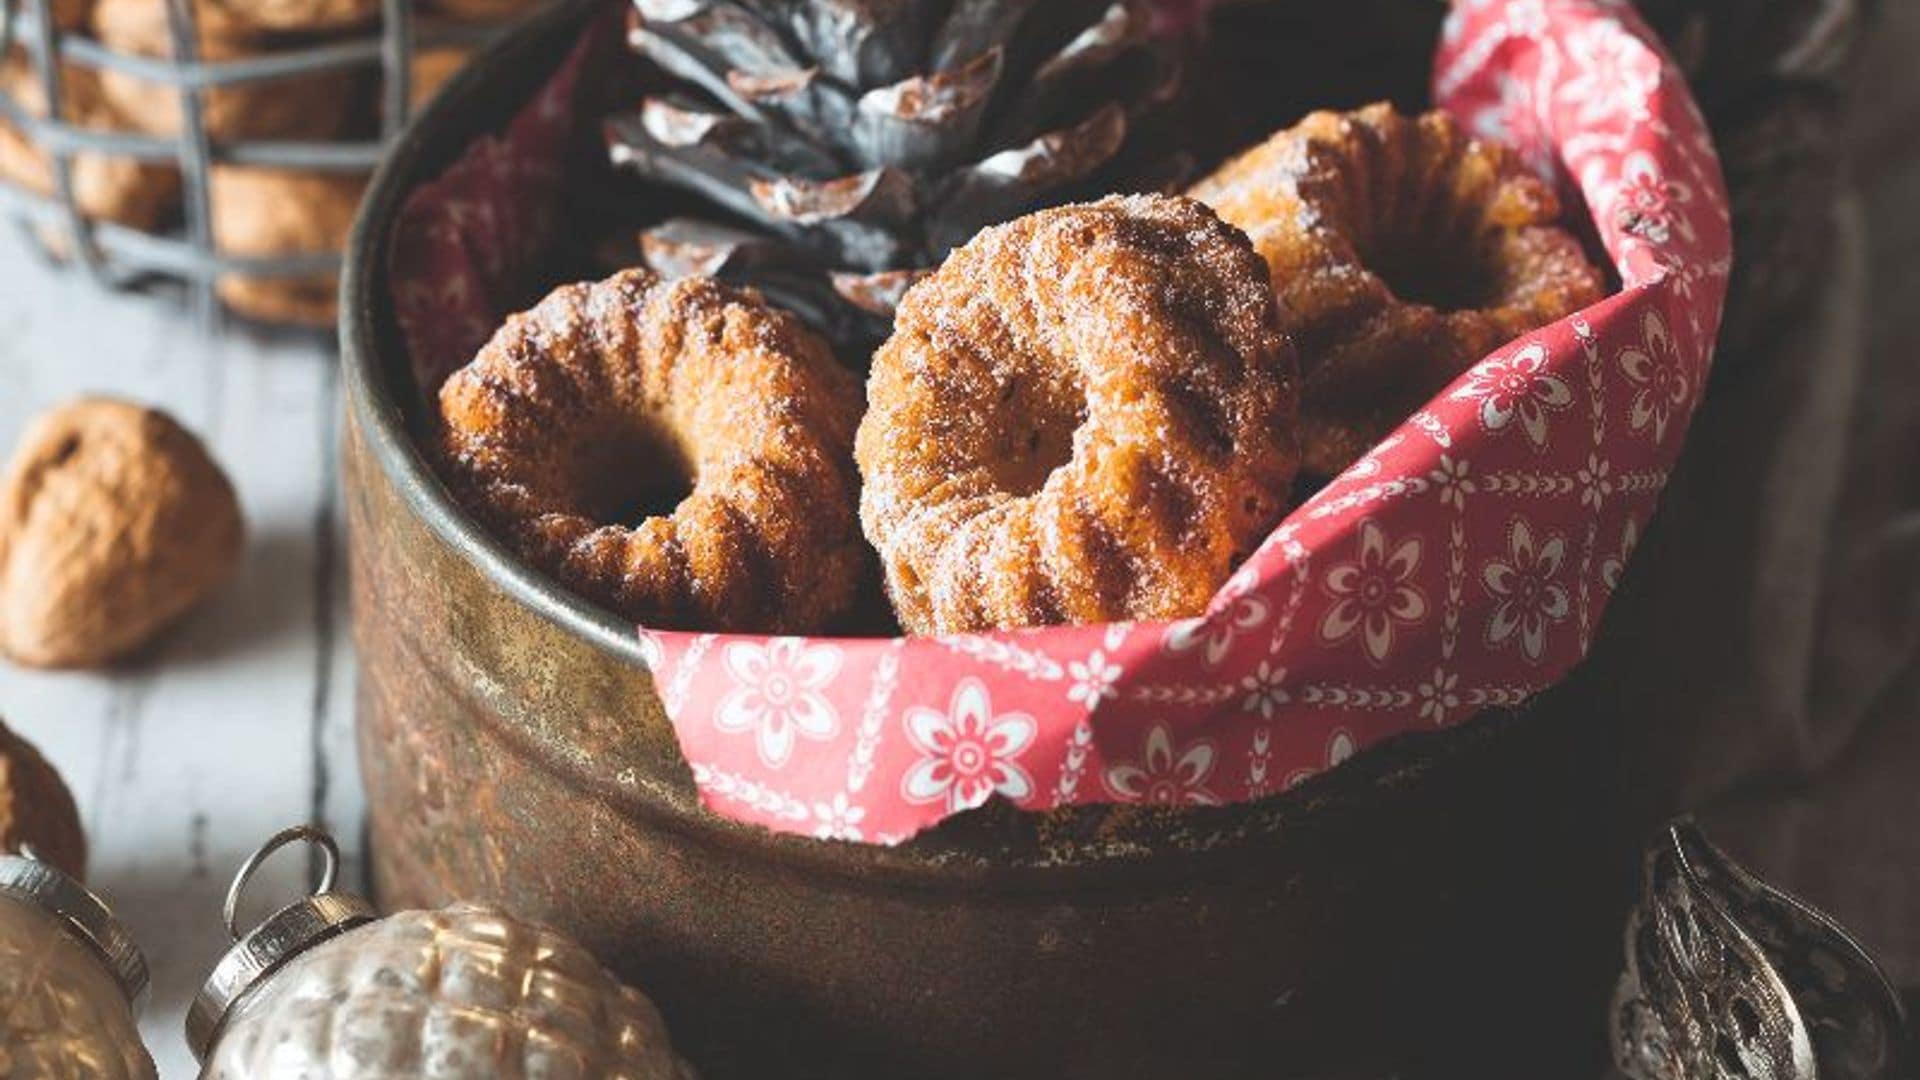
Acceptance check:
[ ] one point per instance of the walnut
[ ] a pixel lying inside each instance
(113, 522)
(36, 808)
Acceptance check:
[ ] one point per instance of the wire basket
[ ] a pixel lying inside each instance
(119, 255)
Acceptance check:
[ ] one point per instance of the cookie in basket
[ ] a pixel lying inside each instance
(1402, 251)
(248, 18)
(486, 10)
(263, 213)
(432, 66)
(107, 187)
(71, 15)
(310, 106)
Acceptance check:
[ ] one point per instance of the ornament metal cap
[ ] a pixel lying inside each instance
(318, 917)
(1722, 966)
(84, 915)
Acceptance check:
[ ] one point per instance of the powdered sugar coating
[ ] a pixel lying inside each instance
(1352, 212)
(607, 392)
(1084, 415)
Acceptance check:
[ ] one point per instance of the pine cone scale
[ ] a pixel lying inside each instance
(870, 136)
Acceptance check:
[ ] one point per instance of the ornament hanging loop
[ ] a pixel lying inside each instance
(257, 954)
(329, 870)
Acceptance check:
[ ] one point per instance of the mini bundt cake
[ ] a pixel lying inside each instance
(1084, 415)
(677, 451)
(1402, 251)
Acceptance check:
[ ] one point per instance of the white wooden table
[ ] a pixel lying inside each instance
(240, 721)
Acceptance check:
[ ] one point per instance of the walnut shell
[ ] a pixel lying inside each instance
(36, 808)
(113, 522)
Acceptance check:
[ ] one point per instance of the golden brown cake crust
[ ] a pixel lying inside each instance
(1402, 251)
(1084, 415)
(610, 394)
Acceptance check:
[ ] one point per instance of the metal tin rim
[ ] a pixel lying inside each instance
(369, 400)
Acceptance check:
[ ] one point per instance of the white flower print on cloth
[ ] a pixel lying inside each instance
(1340, 747)
(1167, 774)
(1659, 383)
(1236, 610)
(968, 753)
(1438, 698)
(1451, 481)
(1265, 691)
(1595, 483)
(777, 696)
(1092, 680)
(1615, 564)
(1368, 464)
(1517, 386)
(1649, 205)
(1613, 77)
(1513, 120)
(838, 819)
(1376, 594)
(651, 653)
(1529, 598)
(1526, 18)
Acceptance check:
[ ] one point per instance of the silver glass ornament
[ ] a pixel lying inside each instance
(1729, 978)
(325, 989)
(71, 980)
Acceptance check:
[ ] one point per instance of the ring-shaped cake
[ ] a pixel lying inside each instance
(677, 450)
(1085, 415)
(1402, 251)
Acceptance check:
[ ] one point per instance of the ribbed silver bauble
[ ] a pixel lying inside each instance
(326, 990)
(70, 980)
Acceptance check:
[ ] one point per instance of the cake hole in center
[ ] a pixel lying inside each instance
(1036, 424)
(642, 475)
(657, 498)
(1441, 273)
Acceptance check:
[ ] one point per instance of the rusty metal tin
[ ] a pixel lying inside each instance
(1449, 898)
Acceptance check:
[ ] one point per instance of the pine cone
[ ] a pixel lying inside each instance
(847, 145)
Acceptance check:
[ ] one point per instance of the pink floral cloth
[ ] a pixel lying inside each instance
(1463, 563)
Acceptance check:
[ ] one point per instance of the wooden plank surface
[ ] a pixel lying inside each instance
(238, 722)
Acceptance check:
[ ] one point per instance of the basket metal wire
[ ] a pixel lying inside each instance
(118, 255)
